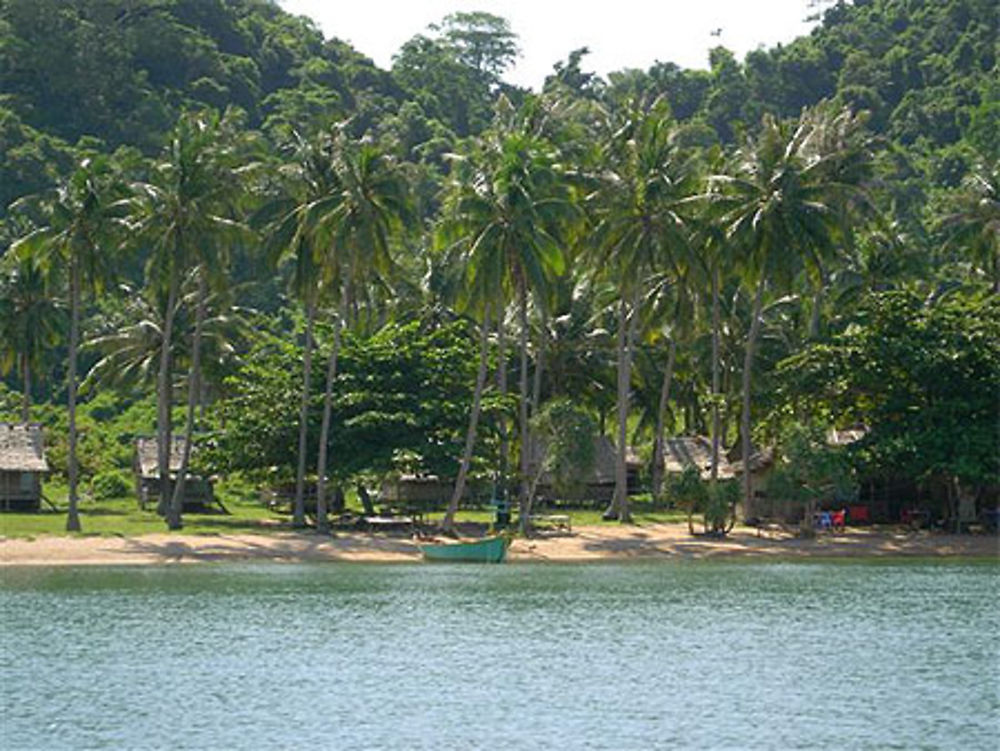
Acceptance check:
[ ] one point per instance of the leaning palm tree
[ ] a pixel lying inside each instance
(782, 206)
(506, 209)
(82, 215)
(640, 231)
(184, 215)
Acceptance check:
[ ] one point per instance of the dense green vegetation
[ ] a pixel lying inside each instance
(214, 221)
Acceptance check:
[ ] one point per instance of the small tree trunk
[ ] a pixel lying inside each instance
(745, 423)
(194, 389)
(164, 395)
(715, 375)
(299, 507)
(448, 523)
(661, 418)
(367, 508)
(73, 515)
(322, 524)
(523, 429)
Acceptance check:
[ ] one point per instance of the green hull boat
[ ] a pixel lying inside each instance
(487, 550)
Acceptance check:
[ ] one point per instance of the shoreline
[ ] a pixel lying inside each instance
(585, 544)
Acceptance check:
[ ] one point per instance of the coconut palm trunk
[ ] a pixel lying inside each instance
(661, 418)
(299, 507)
(448, 523)
(72, 514)
(745, 422)
(536, 397)
(523, 429)
(618, 509)
(26, 396)
(716, 437)
(194, 377)
(502, 389)
(536, 376)
(621, 468)
(322, 524)
(165, 398)
(613, 510)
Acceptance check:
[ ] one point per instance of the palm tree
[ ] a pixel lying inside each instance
(448, 523)
(82, 214)
(290, 223)
(640, 230)
(506, 210)
(976, 222)
(783, 206)
(30, 320)
(366, 206)
(183, 213)
(129, 341)
(670, 314)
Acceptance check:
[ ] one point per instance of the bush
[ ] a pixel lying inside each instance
(686, 490)
(111, 484)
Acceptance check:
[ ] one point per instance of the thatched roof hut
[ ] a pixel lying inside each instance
(147, 460)
(761, 460)
(600, 484)
(22, 463)
(694, 451)
(198, 491)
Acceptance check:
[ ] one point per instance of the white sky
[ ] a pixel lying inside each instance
(620, 34)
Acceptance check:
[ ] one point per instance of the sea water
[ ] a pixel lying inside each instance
(689, 654)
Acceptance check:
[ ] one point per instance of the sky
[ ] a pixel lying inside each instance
(620, 34)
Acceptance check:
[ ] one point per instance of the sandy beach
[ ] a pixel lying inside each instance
(661, 541)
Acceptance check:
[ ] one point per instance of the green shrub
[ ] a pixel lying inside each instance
(110, 484)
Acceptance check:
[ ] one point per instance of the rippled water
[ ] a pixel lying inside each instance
(684, 655)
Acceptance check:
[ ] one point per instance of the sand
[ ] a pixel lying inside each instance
(605, 543)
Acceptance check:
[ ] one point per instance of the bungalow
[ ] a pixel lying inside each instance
(695, 451)
(22, 464)
(600, 485)
(199, 492)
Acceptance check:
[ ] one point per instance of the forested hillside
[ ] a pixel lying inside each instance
(103, 74)
(216, 220)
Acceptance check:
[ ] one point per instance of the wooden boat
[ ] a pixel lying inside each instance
(486, 550)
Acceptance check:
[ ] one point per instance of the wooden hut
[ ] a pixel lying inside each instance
(22, 464)
(600, 485)
(199, 492)
(695, 451)
(424, 490)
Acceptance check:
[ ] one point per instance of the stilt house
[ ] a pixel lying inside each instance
(22, 464)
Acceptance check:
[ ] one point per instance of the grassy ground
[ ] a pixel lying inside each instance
(123, 517)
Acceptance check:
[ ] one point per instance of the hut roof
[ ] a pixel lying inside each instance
(21, 448)
(605, 456)
(694, 451)
(759, 459)
(147, 458)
